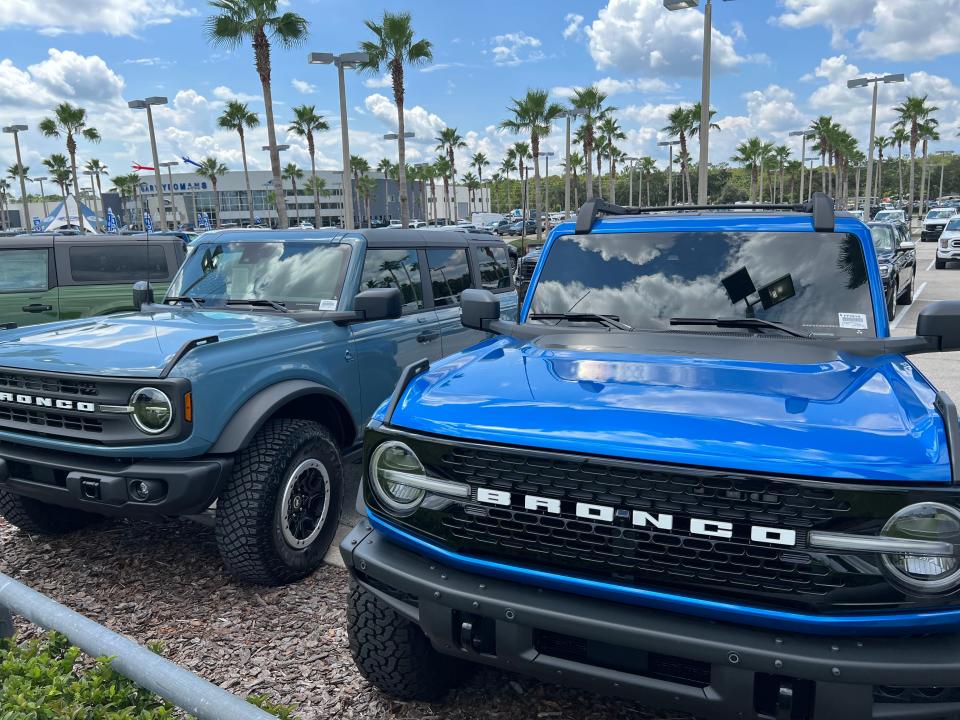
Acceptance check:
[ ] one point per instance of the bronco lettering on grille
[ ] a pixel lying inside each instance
(44, 402)
(642, 519)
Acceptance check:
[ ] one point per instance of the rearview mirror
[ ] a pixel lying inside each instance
(379, 304)
(941, 320)
(478, 309)
(908, 245)
(142, 294)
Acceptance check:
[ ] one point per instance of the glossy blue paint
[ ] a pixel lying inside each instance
(860, 624)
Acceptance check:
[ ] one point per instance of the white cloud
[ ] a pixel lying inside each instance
(837, 15)
(612, 86)
(424, 124)
(112, 17)
(303, 86)
(515, 48)
(382, 81)
(222, 92)
(150, 62)
(64, 75)
(640, 37)
(574, 22)
(436, 67)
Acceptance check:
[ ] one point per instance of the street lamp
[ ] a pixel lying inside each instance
(803, 153)
(633, 164)
(669, 144)
(523, 219)
(93, 200)
(704, 90)
(146, 104)
(15, 130)
(570, 114)
(346, 60)
(173, 197)
(43, 198)
(941, 153)
(875, 81)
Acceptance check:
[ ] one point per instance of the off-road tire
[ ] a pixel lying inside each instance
(393, 654)
(906, 296)
(40, 518)
(248, 524)
(940, 264)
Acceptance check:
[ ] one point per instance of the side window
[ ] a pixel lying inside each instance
(449, 275)
(116, 264)
(23, 270)
(494, 265)
(398, 268)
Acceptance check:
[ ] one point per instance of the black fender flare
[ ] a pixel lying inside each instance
(256, 410)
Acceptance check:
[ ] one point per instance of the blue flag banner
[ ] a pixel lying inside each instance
(36, 225)
(111, 221)
(206, 221)
(257, 221)
(188, 161)
(147, 222)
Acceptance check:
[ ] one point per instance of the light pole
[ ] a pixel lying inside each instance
(669, 144)
(523, 219)
(943, 164)
(43, 198)
(396, 136)
(346, 60)
(570, 114)
(173, 196)
(93, 200)
(281, 195)
(546, 185)
(146, 104)
(863, 82)
(633, 165)
(704, 90)
(15, 130)
(803, 154)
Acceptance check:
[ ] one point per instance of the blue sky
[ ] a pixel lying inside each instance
(777, 65)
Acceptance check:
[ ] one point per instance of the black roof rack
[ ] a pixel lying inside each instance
(820, 206)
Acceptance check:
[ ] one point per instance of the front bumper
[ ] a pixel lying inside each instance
(928, 235)
(83, 482)
(666, 660)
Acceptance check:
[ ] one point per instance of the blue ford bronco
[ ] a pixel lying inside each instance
(240, 393)
(698, 472)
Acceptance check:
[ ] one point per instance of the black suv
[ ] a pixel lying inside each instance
(897, 256)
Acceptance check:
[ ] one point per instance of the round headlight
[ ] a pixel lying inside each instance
(931, 522)
(152, 410)
(388, 464)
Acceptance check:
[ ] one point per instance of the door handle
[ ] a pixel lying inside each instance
(37, 308)
(427, 336)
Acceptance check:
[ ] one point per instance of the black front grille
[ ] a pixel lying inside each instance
(48, 384)
(526, 269)
(52, 420)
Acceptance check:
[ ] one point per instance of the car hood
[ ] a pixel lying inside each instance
(843, 417)
(131, 344)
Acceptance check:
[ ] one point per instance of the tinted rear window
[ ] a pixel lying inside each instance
(23, 270)
(494, 267)
(449, 274)
(117, 264)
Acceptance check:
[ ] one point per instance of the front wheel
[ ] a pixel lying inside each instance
(940, 264)
(278, 514)
(906, 297)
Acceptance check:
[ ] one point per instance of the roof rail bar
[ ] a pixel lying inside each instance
(820, 206)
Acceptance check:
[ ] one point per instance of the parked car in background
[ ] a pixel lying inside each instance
(897, 258)
(417, 224)
(935, 222)
(528, 227)
(45, 278)
(891, 215)
(395, 225)
(528, 263)
(948, 249)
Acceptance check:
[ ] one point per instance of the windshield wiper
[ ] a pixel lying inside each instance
(611, 321)
(750, 323)
(279, 307)
(195, 301)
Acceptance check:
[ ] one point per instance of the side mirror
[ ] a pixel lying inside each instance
(941, 321)
(478, 309)
(908, 245)
(142, 294)
(379, 304)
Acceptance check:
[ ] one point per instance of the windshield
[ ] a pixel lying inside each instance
(883, 240)
(815, 282)
(954, 224)
(302, 275)
(940, 214)
(888, 215)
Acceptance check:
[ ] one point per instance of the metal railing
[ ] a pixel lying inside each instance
(187, 691)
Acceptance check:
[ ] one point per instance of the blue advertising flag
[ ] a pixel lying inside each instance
(147, 222)
(36, 225)
(111, 221)
(188, 161)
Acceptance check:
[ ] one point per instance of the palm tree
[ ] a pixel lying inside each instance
(211, 168)
(293, 173)
(469, 181)
(822, 130)
(898, 137)
(15, 172)
(680, 125)
(306, 122)
(124, 185)
(358, 166)
(317, 187)
(449, 142)
(96, 169)
(576, 162)
(507, 165)
(534, 113)
(60, 171)
(70, 121)
(612, 132)
(928, 134)
(913, 112)
(257, 21)
(393, 48)
(4, 190)
(749, 154)
(781, 153)
(443, 169)
(589, 100)
(881, 142)
(365, 186)
(385, 167)
(648, 166)
(237, 116)
(429, 175)
(479, 161)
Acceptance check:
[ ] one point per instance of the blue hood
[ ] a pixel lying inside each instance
(133, 344)
(856, 418)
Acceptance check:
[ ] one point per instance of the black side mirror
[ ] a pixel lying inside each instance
(142, 294)
(941, 320)
(379, 304)
(478, 309)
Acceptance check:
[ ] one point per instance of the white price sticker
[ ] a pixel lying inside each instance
(853, 321)
(328, 305)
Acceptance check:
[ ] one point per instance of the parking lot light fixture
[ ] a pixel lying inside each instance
(863, 82)
(15, 130)
(669, 144)
(146, 104)
(343, 61)
(43, 198)
(805, 134)
(546, 185)
(169, 164)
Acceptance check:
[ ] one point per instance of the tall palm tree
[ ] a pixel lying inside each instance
(358, 166)
(612, 132)
(96, 170)
(591, 101)
(749, 154)
(899, 136)
(881, 142)
(648, 166)
(680, 125)
(59, 168)
(822, 129)
(365, 186)
(534, 114)
(258, 21)
(576, 162)
(293, 173)
(211, 168)
(124, 185)
(443, 169)
(507, 165)
(392, 48)
(479, 161)
(4, 212)
(237, 116)
(781, 154)
(913, 112)
(429, 175)
(472, 184)
(70, 122)
(15, 172)
(305, 123)
(449, 141)
(928, 134)
(317, 187)
(385, 167)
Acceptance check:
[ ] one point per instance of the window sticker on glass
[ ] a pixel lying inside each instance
(853, 321)
(328, 305)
